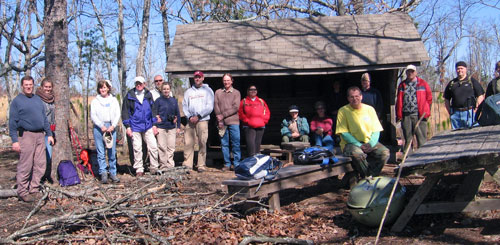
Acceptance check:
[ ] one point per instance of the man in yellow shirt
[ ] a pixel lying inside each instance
(359, 128)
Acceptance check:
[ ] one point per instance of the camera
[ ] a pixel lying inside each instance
(170, 118)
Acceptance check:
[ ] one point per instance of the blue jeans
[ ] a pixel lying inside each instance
(48, 150)
(326, 141)
(232, 135)
(101, 154)
(462, 119)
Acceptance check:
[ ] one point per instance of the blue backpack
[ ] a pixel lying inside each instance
(67, 173)
(314, 155)
(257, 167)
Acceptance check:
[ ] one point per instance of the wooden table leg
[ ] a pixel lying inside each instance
(495, 173)
(274, 202)
(414, 202)
(469, 187)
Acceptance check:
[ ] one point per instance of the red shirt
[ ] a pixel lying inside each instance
(324, 122)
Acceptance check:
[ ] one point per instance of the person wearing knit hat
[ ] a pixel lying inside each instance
(462, 97)
(294, 128)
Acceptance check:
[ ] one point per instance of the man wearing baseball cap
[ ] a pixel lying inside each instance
(294, 128)
(197, 105)
(413, 101)
(138, 118)
(462, 96)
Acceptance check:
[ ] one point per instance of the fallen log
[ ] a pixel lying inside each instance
(8, 193)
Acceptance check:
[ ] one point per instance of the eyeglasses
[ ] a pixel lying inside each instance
(161, 80)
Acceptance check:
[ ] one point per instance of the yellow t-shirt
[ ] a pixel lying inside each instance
(359, 123)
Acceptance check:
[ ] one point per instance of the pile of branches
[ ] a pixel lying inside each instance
(118, 213)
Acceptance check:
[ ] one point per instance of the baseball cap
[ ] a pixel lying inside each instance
(198, 73)
(411, 67)
(139, 79)
(293, 108)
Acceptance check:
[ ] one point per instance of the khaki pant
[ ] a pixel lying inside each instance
(32, 163)
(370, 164)
(150, 140)
(199, 130)
(166, 145)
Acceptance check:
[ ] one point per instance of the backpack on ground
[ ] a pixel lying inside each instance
(490, 111)
(314, 155)
(259, 166)
(67, 173)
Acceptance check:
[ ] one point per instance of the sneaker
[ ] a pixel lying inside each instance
(201, 169)
(104, 178)
(226, 168)
(27, 198)
(155, 172)
(114, 178)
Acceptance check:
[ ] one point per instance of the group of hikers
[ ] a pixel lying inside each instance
(154, 117)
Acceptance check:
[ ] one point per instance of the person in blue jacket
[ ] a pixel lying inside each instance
(294, 128)
(167, 109)
(138, 118)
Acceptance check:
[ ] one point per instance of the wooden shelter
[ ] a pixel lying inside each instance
(296, 61)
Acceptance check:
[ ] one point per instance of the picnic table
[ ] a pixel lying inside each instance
(469, 151)
(287, 177)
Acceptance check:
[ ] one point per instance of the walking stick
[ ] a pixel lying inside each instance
(397, 180)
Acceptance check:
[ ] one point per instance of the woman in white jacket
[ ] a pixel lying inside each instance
(105, 114)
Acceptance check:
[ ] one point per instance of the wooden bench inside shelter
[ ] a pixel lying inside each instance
(287, 148)
(288, 177)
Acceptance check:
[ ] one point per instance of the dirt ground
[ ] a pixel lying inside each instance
(315, 212)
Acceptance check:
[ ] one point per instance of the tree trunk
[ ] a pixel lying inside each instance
(166, 35)
(120, 53)
(107, 59)
(122, 68)
(139, 64)
(56, 50)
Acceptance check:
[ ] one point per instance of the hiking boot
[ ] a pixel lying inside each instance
(226, 168)
(36, 195)
(139, 174)
(114, 178)
(104, 178)
(201, 169)
(27, 198)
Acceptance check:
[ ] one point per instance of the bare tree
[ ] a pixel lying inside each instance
(19, 33)
(56, 49)
(120, 52)
(102, 29)
(139, 64)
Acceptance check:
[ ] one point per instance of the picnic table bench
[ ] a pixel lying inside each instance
(470, 151)
(287, 177)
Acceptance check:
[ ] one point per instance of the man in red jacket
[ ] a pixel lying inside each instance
(414, 100)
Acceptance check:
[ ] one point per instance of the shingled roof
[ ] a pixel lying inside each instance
(323, 45)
